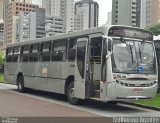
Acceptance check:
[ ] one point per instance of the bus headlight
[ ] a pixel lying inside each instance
(155, 81)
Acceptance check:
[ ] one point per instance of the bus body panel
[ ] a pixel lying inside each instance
(52, 75)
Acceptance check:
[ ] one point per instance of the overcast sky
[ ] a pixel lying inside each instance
(105, 6)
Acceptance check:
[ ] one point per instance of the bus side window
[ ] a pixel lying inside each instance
(16, 54)
(95, 58)
(72, 49)
(45, 51)
(96, 47)
(81, 49)
(103, 70)
(25, 53)
(59, 50)
(34, 55)
(9, 54)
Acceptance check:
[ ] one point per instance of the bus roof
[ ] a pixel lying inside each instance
(102, 29)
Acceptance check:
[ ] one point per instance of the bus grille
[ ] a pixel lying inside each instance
(135, 85)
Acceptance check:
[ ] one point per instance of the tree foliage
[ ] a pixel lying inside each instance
(1, 58)
(155, 29)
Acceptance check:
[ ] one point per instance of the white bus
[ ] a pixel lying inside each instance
(108, 63)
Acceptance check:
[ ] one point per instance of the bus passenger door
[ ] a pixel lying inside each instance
(80, 68)
(106, 70)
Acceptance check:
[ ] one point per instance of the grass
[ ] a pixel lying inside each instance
(155, 102)
(2, 78)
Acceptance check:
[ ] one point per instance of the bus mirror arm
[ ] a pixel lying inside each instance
(109, 42)
(109, 54)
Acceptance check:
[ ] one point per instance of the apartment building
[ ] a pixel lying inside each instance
(63, 9)
(1, 33)
(139, 13)
(30, 26)
(14, 9)
(86, 14)
(1, 11)
(126, 12)
(153, 13)
(55, 25)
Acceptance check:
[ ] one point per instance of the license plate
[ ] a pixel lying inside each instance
(137, 90)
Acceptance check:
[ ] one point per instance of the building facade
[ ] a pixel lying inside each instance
(62, 9)
(153, 12)
(125, 12)
(109, 18)
(1, 11)
(53, 7)
(1, 34)
(86, 14)
(69, 15)
(54, 25)
(139, 13)
(23, 1)
(30, 26)
(14, 9)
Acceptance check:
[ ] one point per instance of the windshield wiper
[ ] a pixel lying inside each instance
(140, 50)
(140, 53)
(128, 48)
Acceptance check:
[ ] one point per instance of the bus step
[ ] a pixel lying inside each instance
(95, 98)
(96, 81)
(97, 93)
(91, 87)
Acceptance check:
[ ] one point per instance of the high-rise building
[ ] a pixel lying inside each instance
(86, 14)
(152, 12)
(13, 10)
(140, 13)
(69, 15)
(126, 12)
(62, 9)
(1, 11)
(54, 25)
(23, 1)
(143, 13)
(109, 18)
(1, 33)
(30, 26)
(53, 7)
(2, 48)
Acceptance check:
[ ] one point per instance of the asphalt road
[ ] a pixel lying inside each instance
(44, 104)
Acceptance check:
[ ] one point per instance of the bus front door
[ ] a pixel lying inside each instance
(80, 68)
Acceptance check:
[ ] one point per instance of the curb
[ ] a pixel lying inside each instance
(4, 83)
(141, 106)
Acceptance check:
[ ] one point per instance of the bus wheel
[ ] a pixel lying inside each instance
(20, 84)
(70, 95)
(112, 103)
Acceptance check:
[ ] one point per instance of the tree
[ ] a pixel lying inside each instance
(1, 58)
(155, 29)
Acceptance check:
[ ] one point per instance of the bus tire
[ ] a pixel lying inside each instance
(20, 84)
(112, 103)
(70, 94)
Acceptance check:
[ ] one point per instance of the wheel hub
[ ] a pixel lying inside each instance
(71, 93)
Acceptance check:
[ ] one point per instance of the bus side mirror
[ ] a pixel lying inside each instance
(110, 45)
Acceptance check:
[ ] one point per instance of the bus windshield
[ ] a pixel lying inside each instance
(133, 57)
